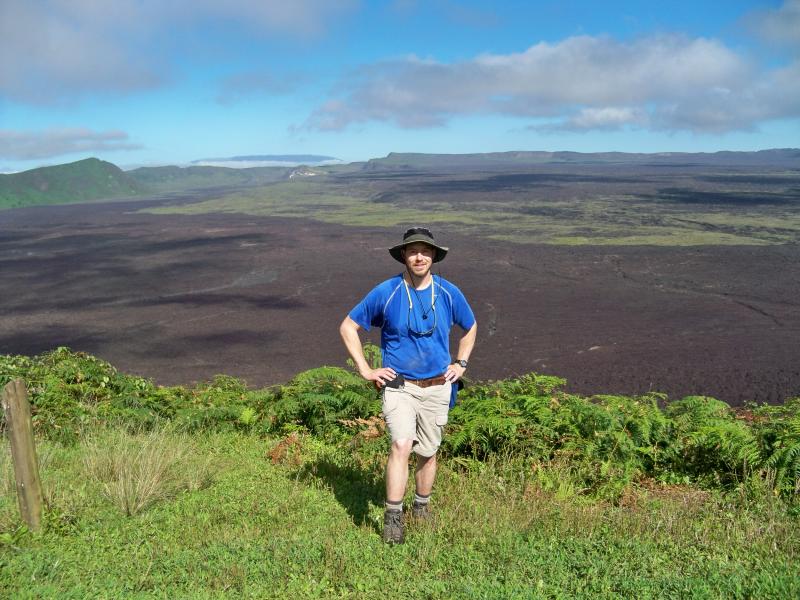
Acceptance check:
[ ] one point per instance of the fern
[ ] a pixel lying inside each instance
(785, 459)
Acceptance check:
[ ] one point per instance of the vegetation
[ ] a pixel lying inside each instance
(527, 197)
(607, 442)
(219, 489)
(555, 205)
(93, 179)
(171, 178)
(89, 179)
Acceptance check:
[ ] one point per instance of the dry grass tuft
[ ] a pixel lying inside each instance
(137, 470)
(7, 484)
(287, 451)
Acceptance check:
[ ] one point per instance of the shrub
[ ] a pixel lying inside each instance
(319, 399)
(711, 445)
(606, 438)
(603, 443)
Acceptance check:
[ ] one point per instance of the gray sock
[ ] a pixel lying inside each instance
(421, 500)
(394, 506)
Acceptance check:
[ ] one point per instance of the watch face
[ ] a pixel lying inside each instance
(463, 363)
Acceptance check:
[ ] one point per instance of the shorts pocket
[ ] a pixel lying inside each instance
(441, 420)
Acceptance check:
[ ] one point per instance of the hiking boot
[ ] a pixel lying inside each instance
(393, 527)
(421, 512)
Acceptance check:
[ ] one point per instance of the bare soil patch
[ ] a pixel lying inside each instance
(181, 298)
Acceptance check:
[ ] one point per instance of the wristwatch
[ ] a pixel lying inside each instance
(461, 362)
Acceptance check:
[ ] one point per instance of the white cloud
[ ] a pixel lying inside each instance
(49, 51)
(778, 26)
(667, 82)
(57, 50)
(606, 118)
(29, 145)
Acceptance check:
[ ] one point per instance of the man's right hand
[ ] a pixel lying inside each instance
(380, 376)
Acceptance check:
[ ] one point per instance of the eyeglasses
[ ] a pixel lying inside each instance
(411, 330)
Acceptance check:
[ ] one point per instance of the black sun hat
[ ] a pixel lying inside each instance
(414, 235)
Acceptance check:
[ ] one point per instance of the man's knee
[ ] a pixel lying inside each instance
(402, 448)
(425, 461)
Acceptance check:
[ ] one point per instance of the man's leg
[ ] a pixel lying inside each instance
(399, 410)
(426, 473)
(396, 478)
(397, 470)
(424, 477)
(431, 420)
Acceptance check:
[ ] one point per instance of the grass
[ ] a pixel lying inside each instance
(81, 181)
(585, 217)
(305, 524)
(141, 469)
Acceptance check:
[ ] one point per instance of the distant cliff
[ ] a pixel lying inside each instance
(788, 157)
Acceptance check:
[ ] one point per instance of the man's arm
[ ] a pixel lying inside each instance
(465, 345)
(349, 332)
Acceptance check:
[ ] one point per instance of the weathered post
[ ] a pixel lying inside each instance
(23, 452)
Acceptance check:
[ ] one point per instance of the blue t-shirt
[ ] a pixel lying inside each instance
(415, 337)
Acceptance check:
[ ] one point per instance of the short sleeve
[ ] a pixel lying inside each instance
(462, 313)
(369, 312)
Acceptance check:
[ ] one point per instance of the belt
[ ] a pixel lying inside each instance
(440, 380)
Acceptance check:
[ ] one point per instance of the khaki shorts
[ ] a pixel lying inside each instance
(419, 414)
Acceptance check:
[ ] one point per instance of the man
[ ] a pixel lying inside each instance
(415, 311)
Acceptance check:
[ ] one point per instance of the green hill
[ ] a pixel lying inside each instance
(94, 179)
(171, 178)
(89, 179)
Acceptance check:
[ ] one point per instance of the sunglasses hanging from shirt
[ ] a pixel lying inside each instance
(426, 314)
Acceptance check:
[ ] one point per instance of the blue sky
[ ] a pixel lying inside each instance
(145, 82)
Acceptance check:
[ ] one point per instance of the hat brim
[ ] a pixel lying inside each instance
(396, 251)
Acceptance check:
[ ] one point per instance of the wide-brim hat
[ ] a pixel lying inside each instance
(414, 235)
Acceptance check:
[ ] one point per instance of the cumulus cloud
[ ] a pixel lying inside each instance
(56, 50)
(28, 145)
(667, 82)
(606, 118)
(778, 26)
(49, 50)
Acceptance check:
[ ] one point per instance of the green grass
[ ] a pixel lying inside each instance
(307, 526)
(599, 219)
(219, 490)
(81, 181)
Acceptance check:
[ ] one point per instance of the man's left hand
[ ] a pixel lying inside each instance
(454, 372)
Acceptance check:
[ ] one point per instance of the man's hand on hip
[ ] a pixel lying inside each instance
(454, 372)
(380, 376)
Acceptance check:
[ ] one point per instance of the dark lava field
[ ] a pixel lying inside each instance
(182, 298)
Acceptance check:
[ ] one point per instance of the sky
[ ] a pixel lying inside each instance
(147, 82)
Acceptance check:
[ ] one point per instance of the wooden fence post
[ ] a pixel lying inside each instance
(23, 452)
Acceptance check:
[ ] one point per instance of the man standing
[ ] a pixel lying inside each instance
(415, 311)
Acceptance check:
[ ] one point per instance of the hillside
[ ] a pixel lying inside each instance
(89, 179)
(94, 179)
(789, 158)
(172, 178)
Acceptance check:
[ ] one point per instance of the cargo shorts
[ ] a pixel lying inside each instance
(416, 413)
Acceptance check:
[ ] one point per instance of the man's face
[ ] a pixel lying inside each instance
(419, 258)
